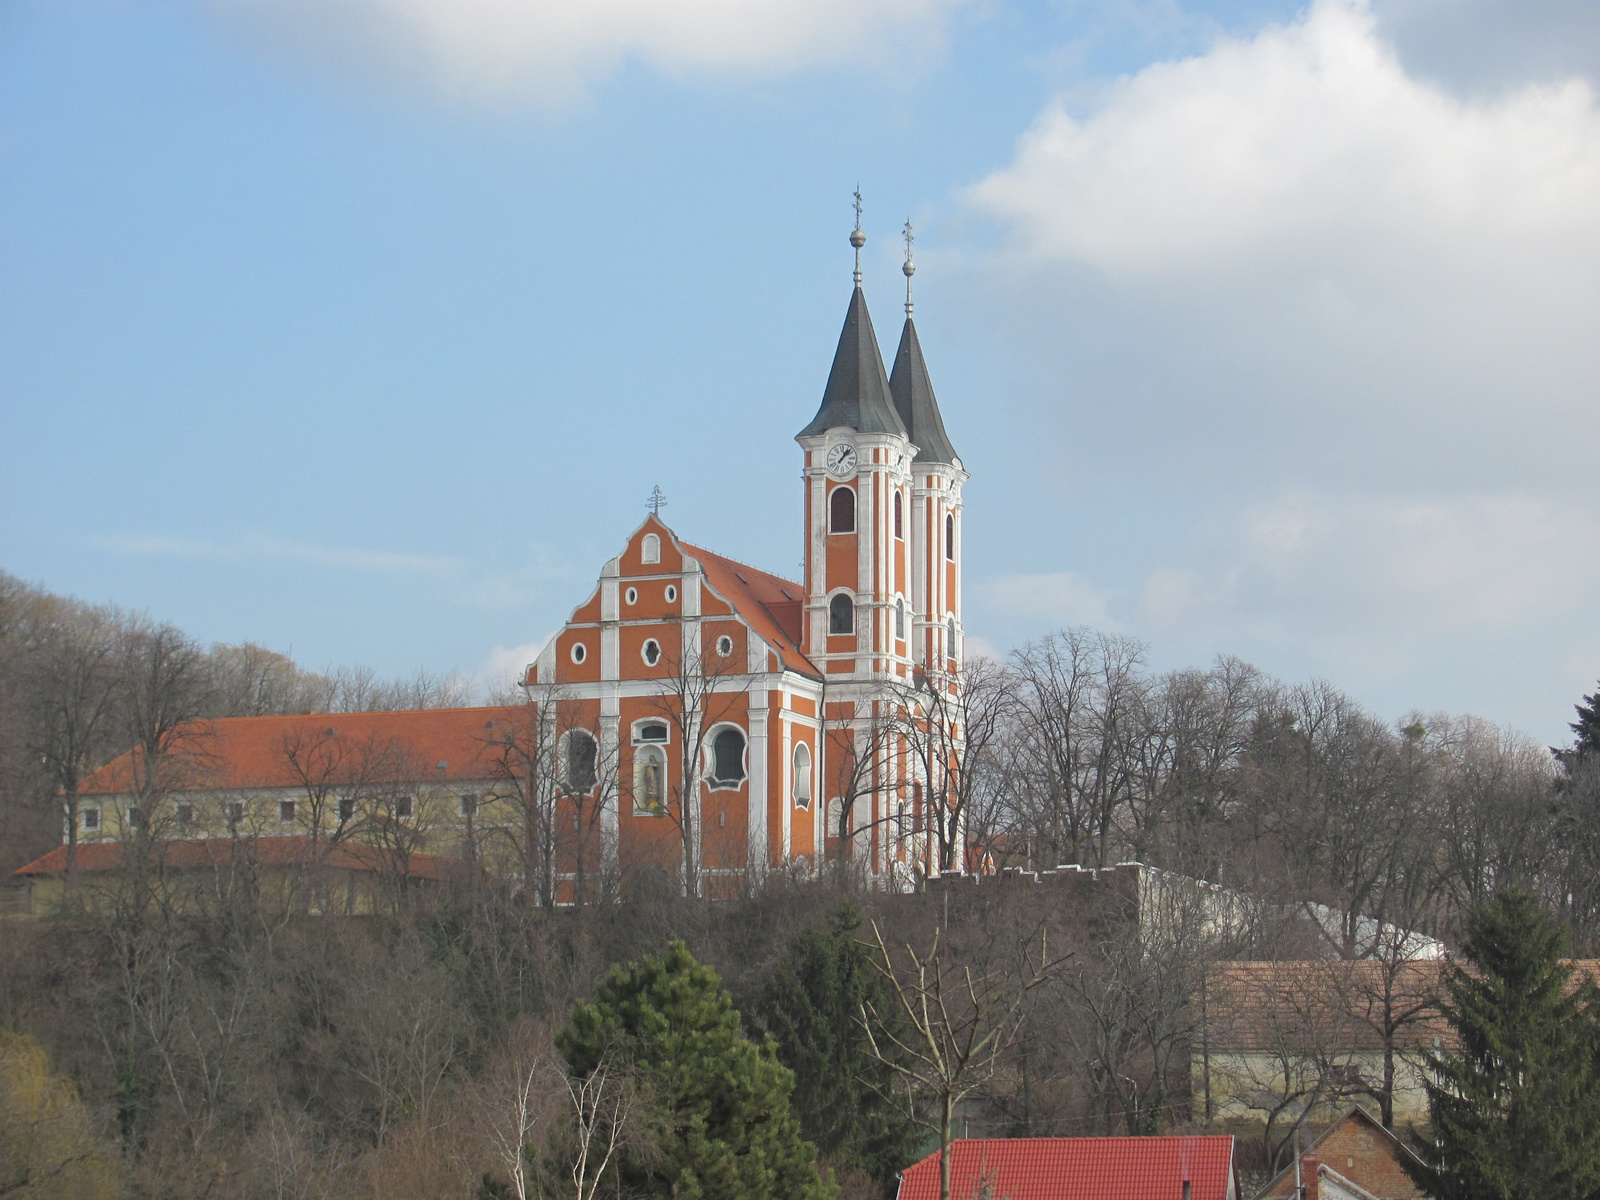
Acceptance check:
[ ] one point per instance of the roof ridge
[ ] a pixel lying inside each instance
(739, 563)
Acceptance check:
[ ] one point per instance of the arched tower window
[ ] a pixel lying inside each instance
(899, 520)
(582, 757)
(842, 510)
(650, 549)
(727, 756)
(950, 537)
(802, 776)
(950, 629)
(841, 614)
(899, 618)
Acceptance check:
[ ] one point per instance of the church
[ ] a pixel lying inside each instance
(745, 720)
(695, 716)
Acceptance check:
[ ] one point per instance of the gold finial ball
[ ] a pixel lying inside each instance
(858, 239)
(910, 268)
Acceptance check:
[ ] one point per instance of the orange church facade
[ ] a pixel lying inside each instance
(745, 723)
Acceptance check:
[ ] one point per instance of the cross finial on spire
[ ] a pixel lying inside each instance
(910, 267)
(858, 239)
(657, 500)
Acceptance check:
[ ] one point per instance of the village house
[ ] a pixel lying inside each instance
(1354, 1158)
(1184, 1167)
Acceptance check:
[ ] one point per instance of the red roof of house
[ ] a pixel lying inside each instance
(771, 605)
(254, 752)
(1086, 1168)
(205, 853)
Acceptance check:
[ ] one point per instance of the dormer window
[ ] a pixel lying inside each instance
(650, 549)
(842, 510)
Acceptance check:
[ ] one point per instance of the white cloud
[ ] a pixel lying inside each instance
(1288, 258)
(551, 52)
(506, 665)
(1306, 566)
(255, 548)
(1058, 598)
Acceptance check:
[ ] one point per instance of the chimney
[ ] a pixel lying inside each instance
(1188, 1190)
(1309, 1166)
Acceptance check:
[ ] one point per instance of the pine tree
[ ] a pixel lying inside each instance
(726, 1132)
(1587, 727)
(1515, 1107)
(812, 1005)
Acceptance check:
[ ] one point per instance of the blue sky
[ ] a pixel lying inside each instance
(362, 328)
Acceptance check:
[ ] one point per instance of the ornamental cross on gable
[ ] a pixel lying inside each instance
(657, 500)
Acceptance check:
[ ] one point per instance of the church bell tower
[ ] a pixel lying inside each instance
(883, 510)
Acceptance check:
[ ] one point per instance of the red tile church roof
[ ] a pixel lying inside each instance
(441, 744)
(771, 605)
(1085, 1168)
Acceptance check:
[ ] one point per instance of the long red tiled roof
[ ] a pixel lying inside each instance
(254, 752)
(204, 853)
(1086, 1168)
(773, 606)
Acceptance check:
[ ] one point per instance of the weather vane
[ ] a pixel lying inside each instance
(657, 500)
(858, 239)
(910, 268)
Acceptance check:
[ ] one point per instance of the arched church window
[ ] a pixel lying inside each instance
(950, 538)
(649, 781)
(841, 614)
(950, 629)
(582, 756)
(727, 756)
(650, 549)
(899, 618)
(842, 510)
(899, 520)
(802, 776)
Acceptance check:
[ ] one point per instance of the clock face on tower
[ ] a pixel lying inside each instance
(842, 461)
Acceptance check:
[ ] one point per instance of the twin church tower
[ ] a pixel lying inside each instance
(747, 723)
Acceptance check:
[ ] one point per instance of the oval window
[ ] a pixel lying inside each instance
(672, 593)
(652, 651)
(724, 645)
(579, 652)
(631, 595)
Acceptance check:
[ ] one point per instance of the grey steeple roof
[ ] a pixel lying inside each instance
(914, 400)
(857, 395)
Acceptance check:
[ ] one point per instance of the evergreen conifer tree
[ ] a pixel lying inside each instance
(1515, 1106)
(812, 1006)
(726, 1132)
(1587, 727)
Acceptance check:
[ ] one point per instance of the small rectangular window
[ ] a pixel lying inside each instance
(286, 810)
(185, 814)
(134, 819)
(468, 806)
(89, 819)
(347, 809)
(235, 811)
(403, 807)
(652, 731)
